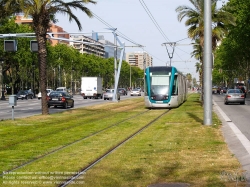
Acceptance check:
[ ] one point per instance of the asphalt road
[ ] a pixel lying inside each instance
(31, 107)
(235, 122)
(238, 114)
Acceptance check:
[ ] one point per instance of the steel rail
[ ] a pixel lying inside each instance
(70, 144)
(93, 163)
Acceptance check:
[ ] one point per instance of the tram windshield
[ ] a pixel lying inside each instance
(159, 84)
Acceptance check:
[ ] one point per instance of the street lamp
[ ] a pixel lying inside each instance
(130, 77)
(34, 90)
(3, 97)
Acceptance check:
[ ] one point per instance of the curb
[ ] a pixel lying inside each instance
(237, 142)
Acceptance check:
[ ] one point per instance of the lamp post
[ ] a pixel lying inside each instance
(2, 61)
(130, 78)
(34, 90)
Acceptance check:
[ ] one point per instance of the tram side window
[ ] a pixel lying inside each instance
(175, 86)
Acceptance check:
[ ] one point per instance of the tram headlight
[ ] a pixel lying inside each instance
(165, 97)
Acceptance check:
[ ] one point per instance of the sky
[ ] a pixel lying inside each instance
(150, 28)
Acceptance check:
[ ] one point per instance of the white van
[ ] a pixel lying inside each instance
(62, 89)
(39, 95)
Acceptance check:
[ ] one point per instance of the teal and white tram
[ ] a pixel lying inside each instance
(165, 87)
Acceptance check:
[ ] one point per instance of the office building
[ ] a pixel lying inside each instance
(137, 59)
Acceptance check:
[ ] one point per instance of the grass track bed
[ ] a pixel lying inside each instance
(176, 148)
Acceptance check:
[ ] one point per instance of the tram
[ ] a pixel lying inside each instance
(165, 87)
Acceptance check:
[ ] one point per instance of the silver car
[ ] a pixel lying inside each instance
(234, 96)
(135, 91)
(108, 95)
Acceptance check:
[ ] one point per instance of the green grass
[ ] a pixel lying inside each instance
(176, 148)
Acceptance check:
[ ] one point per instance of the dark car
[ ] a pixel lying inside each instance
(224, 90)
(24, 94)
(59, 98)
(122, 91)
(244, 90)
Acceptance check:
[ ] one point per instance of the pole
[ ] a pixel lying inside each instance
(12, 112)
(144, 68)
(115, 64)
(34, 90)
(130, 78)
(170, 54)
(71, 85)
(3, 97)
(59, 76)
(115, 57)
(207, 63)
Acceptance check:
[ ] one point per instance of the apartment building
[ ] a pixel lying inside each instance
(87, 45)
(20, 19)
(137, 59)
(94, 44)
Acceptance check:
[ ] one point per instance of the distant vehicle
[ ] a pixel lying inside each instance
(234, 96)
(165, 87)
(122, 91)
(91, 87)
(244, 90)
(224, 90)
(60, 98)
(25, 94)
(108, 95)
(135, 91)
(139, 88)
(62, 89)
(215, 90)
(39, 96)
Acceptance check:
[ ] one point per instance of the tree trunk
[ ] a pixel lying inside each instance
(42, 54)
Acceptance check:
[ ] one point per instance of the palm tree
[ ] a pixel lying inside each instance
(195, 22)
(5, 13)
(43, 13)
(198, 55)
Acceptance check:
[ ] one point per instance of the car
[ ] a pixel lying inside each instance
(215, 90)
(63, 89)
(39, 96)
(234, 96)
(60, 98)
(243, 89)
(108, 94)
(135, 92)
(139, 88)
(122, 91)
(224, 90)
(24, 94)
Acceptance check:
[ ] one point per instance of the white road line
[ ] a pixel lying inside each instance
(245, 142)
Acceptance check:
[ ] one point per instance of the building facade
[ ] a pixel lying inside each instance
(87, 45)
(20, 19)
(137, 59)
(94, 44)
(109, 48)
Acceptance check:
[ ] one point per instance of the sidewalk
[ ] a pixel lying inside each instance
(237, 143)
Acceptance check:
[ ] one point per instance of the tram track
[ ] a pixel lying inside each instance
(102, 116)
(94, 162)
(76, 141)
